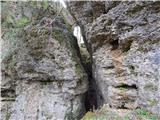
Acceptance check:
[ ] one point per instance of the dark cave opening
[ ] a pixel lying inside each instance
(86, 60)
(115, 44)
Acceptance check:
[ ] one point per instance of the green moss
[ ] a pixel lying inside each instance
(33, 4)
(89, 116)
(70, 41)
(106, 113)
(69, 116)
(36, 32)
(153, 102)
(57, 34)
(22, 22)
(144, 113)
(43, 32)
(86, 59)
(122, 89)
(10, 39)
(151, 87)
(126, 47)
(126, 117)
(40, 4)
(78, 67)
(33, 33)
(45, 5)
(101, 116)
(9, 19)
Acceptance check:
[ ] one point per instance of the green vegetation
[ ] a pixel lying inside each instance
(9, 19)
(45, 5)
(106, 113)
(153, 102)
(126, 117)
(101, 116)
(69, 116)
(126, 47)
(122, 88)
(10, 39)
(37, 4)
(57, 34)
(145, 114)
(151, 87)
(22, 22)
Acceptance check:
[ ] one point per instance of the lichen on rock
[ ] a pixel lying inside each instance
(46, 75)
(43, 74)
(123, 40)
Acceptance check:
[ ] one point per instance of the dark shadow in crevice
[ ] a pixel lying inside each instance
(86, 61)
(122, 107)
(115, 44)
(7, 92)
(127, 46)
(127, 86)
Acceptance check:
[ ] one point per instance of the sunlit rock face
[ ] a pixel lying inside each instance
(124, 41)
(42, 75)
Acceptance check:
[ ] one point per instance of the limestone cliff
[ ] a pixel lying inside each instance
(42, 75)
(47, 75)
(123, 40)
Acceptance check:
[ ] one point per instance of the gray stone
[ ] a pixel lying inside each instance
(43, 77)
(124, 44)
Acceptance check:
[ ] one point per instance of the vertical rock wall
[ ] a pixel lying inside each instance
(42, 75)
(123, 40)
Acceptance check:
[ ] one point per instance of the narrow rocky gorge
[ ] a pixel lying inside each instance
(48, 75)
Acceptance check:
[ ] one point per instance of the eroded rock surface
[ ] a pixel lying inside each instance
(124, 43)
(42, 75)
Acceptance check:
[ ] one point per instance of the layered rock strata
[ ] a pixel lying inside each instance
(123, 40)
(42, 74)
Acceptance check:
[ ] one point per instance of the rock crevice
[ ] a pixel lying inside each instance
(123, 41)
(47, 75)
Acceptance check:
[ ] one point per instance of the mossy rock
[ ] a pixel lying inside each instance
(106, 113)
(89, 116)
(57, 34)
(151, 87)
(143, 113)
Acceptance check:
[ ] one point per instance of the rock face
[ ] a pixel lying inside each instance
(123, 39)
(42, 75)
